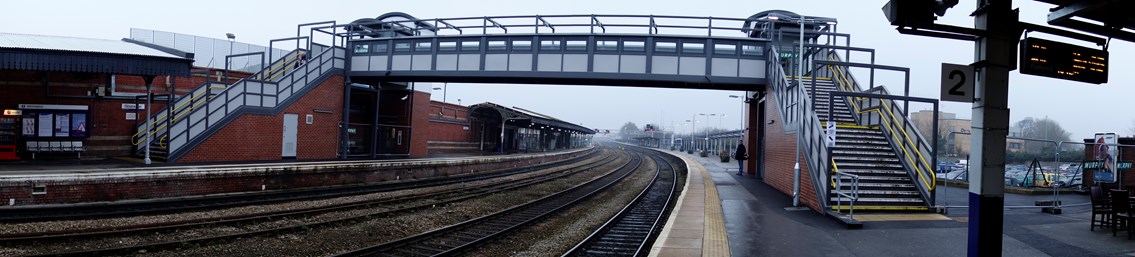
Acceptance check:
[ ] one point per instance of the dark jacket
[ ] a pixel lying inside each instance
(740, 155)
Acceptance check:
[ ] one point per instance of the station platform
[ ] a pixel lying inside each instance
(722, 214)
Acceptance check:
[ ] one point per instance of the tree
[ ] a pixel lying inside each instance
(629, 130)
(1046, 129)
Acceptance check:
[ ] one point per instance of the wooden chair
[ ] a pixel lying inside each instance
(1121, 206)
(1101, 207)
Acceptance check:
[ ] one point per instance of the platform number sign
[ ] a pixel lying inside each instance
(957, 83)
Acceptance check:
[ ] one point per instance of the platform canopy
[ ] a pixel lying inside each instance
(72, 54)
(525, 118)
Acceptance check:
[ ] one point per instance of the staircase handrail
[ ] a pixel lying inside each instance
(195, 96)
(809, 132)
(847, 83)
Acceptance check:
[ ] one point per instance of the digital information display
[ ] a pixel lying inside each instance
(1063, 61)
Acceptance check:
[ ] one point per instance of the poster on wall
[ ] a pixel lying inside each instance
(62, 124)
(79, 125)
(45, 124)
(1107, 154)
(29, 125)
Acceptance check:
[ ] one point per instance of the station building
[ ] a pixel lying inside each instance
(67, 97)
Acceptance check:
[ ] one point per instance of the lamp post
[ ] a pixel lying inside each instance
(742, 109)
(231, 38)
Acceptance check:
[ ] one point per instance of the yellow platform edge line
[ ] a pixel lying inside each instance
(716, 238)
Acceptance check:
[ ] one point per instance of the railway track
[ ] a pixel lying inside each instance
(462, 237)
(431, 199)
(633, 229)
(119, 209)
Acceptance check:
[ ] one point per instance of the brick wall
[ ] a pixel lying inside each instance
(420, 122)
(450, 130)
(780, 157)
(147, 185)
(108, 128)
(260, 137)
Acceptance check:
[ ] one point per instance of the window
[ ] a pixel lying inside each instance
(498, 45)
(521, 45)
(447, 46)
(665, 47)
(379, 48)
(693, 48)
(1014, 145)
(362, 48)
(607, 45)
(552, 45)
(725, 49)
(402, 47)
(423, 46)
(471, 45)
(576, 45)
(752, 50)
(634, 46)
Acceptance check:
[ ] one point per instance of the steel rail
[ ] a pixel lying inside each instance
(60, 212)
(460, 237)
(453, 196)
(630, 231)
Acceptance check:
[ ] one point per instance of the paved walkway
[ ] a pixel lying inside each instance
(756, 224)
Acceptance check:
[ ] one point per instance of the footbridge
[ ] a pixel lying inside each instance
(617, 50)
(879, 161)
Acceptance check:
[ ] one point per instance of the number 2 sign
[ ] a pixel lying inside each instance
(957, 83)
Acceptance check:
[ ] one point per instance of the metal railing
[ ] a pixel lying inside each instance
(251, 92)
(538, 24)
(796, 108)
(852, 196)
(200, 95)
(902, 132)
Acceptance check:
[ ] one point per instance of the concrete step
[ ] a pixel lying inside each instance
(859, 136)
(846, 159)
(862, 147)
(864, 185)
(882, 200)
(860, 141)
(866, 165)
(863, 153)
(884, 193)
(873, 172)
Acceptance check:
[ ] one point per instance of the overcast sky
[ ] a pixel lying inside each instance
(1082, 109)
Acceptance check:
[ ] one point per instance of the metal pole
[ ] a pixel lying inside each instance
(799, 119)
(149, 123)
(996, 51)
(501, 146)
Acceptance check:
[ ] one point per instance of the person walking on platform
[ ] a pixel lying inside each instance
(740, 156)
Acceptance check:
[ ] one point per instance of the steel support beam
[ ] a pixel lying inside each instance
(996, 50)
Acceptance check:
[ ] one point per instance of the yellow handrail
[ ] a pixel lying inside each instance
(842, 80)
(835, 169)
(134, 139)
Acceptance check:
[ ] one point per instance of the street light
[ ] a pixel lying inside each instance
(444, 91)
(742, 109)
(231, 38)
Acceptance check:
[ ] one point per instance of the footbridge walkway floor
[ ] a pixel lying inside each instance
(756, 223)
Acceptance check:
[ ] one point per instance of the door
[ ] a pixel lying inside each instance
(291, 126)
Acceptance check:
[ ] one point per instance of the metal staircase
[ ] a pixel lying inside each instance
(190, 119)
(863, 151)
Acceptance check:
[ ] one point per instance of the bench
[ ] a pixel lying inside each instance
(56, 147)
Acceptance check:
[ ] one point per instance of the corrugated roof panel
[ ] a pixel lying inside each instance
(74, 44)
